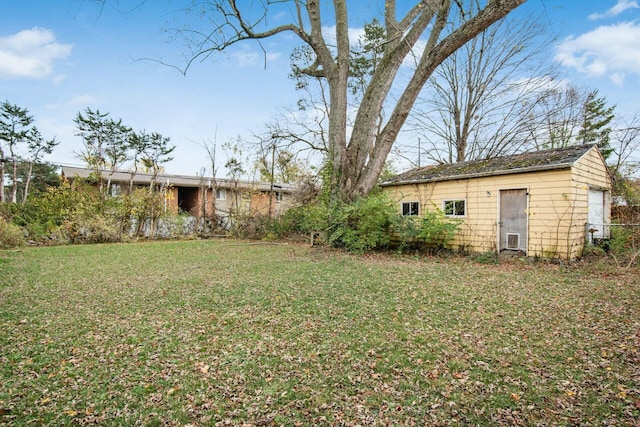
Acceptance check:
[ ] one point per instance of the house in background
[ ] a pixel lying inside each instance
(545, 204)
(200, 196)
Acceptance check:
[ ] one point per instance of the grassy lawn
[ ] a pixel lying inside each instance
(228, 333)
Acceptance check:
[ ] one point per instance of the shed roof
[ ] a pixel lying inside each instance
(175, 180)
(560, 158)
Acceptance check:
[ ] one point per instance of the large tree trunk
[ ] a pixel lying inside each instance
(367, 152)
(357, 159)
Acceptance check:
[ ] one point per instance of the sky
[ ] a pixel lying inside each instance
(58, 58)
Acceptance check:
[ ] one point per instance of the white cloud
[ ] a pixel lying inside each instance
(251, 58)
(329, 34)
(77, 101)
(616, 10)
(611, 51)
(30, 53)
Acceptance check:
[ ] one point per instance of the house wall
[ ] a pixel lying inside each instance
(589, 172)
(252, 202)
(557, 206)
(244, 201)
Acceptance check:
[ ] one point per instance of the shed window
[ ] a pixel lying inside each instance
(410, 208)
(455, 208)
(221, 193)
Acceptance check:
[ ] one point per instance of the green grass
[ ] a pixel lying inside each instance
(225, 332)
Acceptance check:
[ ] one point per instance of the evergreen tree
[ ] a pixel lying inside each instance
(596, 119)
(106, 143)
(34, 177)
(15, 129)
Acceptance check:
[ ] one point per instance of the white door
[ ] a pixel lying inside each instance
(596, 217)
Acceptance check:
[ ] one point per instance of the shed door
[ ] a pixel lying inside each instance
(513, 220)
(596, 218)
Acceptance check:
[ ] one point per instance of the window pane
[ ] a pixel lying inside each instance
(454, 208)
(410, 208)
(448, 208)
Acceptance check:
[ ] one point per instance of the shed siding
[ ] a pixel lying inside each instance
(589, 172)
(549, 208)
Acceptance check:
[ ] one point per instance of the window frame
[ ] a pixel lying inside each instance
(455, 203)
(221, 191)
(410, 210)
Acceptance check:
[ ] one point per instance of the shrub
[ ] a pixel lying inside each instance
(92, 229)
(10, 235)
(364, 224)
(45, 212)
(304, 219)
(144, 208)
(436, 230)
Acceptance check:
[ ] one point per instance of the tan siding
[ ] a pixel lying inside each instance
(550, 210)
(589, 172)
(558, 205)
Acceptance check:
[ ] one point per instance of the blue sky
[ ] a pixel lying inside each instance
(59, 57)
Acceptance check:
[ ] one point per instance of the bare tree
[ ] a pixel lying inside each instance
(356, 153)
(473, 104)
(211, 147)
(625, 142)
(555, 120)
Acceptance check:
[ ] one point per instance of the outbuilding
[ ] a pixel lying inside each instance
(546, 204)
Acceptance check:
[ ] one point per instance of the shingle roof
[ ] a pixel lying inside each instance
(560, 158)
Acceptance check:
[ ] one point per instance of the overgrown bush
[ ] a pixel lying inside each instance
(46, 211)
(436, 230)
(624, 244)
(79, 213)
(92, 229)
(364, 224)
(431, 232)
(11, 235)
(143, 208)
(300, 220)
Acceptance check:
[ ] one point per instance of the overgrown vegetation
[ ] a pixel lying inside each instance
(11, 236)
(78, 213)
(367, 223)
(151, 334)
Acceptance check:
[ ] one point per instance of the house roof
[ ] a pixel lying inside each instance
(560, 158)
(175, 180)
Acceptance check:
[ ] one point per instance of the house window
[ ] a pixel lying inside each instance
(221, 193)
(410, 208)
(278, 196)
(454, 208)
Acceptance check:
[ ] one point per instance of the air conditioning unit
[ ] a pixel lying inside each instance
(513, 241)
